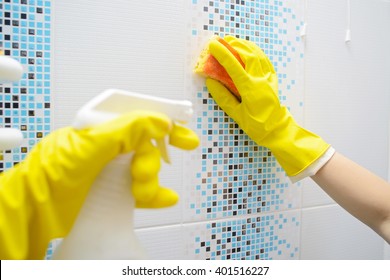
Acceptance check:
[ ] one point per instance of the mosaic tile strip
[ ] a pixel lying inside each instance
(240, 189)
(26, 36)
(270, 236)
(236, 176)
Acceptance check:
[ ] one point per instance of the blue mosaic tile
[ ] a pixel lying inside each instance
(237, 179)
(251, 238)
(26, 36)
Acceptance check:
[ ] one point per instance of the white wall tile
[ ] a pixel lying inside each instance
(131, 45)
(136, 46)
(346, 85)
(329, 232)
(264, 236)
(386, 249)
(162, 243)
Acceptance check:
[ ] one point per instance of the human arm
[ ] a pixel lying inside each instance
(362, 193)
(40, 198)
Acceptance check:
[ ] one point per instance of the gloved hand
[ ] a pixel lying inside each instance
(260, 113)
(146, 164)
(40, 198)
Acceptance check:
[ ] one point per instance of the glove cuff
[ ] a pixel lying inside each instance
(298, 150)
(315, 166)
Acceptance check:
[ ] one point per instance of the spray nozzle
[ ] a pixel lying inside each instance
(114, 102)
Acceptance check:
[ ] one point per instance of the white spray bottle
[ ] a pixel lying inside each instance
(104, 228)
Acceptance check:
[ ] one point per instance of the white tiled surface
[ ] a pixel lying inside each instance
(163, 243)
(277, 237)
(346, 102)
(329, 232)
(120, 44)
(341, 96)
(346, 85)
(126, 45)
(386, 249)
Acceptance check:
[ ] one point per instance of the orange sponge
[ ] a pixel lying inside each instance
(209, 67)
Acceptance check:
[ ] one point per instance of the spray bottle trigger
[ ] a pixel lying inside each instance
(162, 146)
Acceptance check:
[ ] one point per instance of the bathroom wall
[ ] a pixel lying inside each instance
(346, 102)
(236, 202)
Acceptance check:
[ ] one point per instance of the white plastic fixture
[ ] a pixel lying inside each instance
(348, 31)
(303, 31)
(10, 138)
(10, 71)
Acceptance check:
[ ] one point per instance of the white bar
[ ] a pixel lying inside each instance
(192, 269)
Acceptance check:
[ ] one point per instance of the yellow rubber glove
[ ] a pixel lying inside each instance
(146, 164)
(40, 198)
(260, 113)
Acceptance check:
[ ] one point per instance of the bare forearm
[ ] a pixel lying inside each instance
(357, 190)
